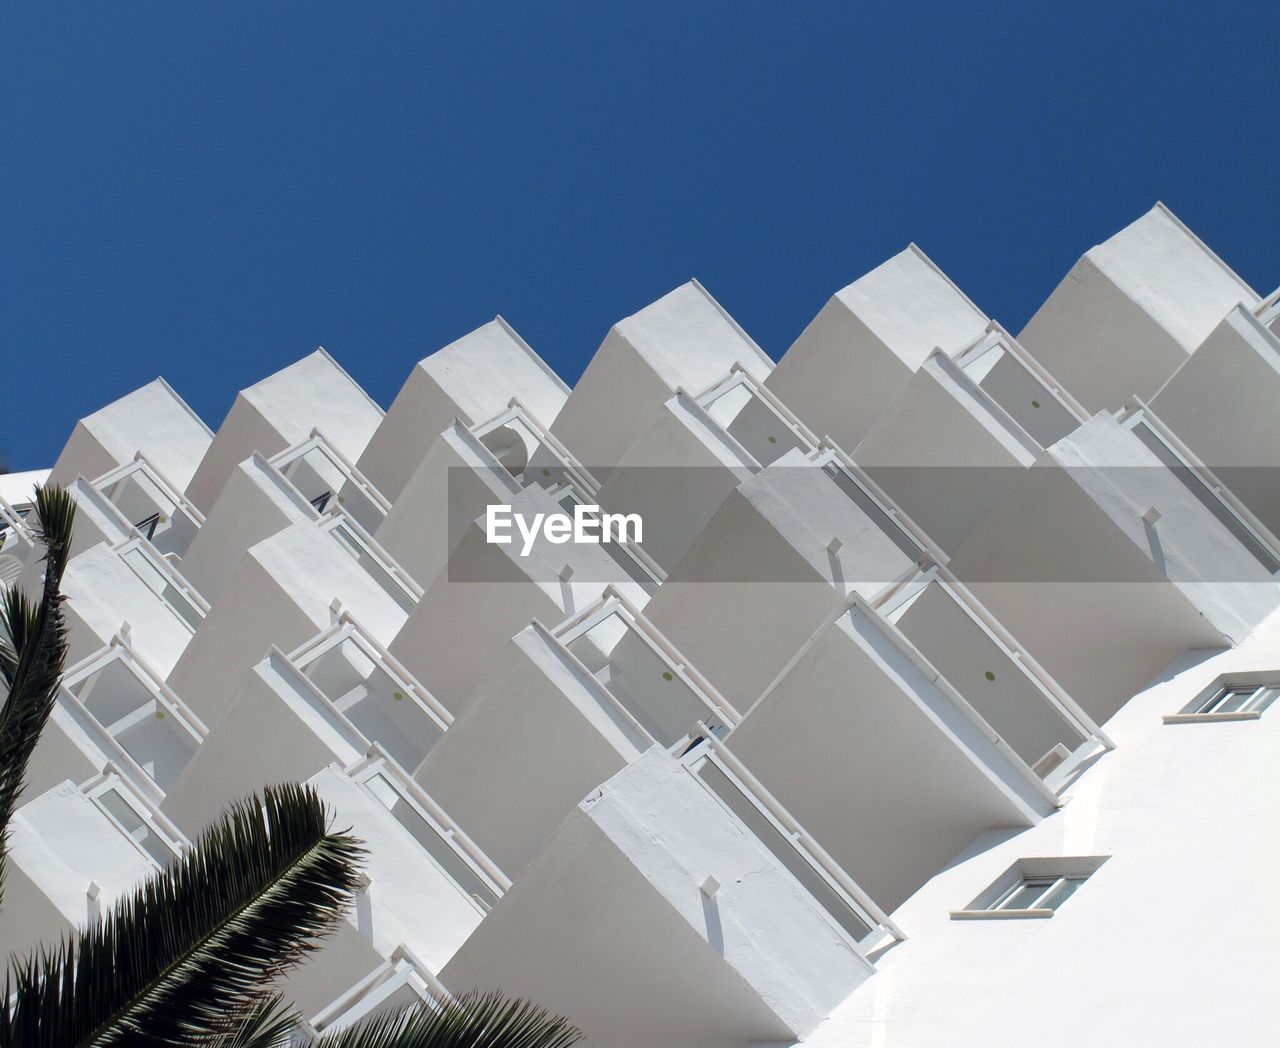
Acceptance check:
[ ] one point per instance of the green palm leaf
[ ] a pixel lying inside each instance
(196, 947)
(268, 1024)
(32, 652)
(471, 1021)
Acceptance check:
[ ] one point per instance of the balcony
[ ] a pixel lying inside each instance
(401, 981)
(392, 579)
(128, 584)
(643, 672)
(163, 579)
(124, 708)
(629, 555)
(137, 819)
(779, 557)
(153, 421)
(147, 547)
(683, 341)
(531, 454)
(864, 345)
(17, 542)
(558, 712)
(338, 696)
(743, 795)
(1268, 312)
(945, 451)
(468, 381)
(1219, 405)
(281, 412)
(675, 475)
(427, 888)
(1202, 483)
(488, 592)
(323, 475)
(1110, 567)
(651, 855)
(151, 505)
(1132, 310)
(527, 450)
(74, 852)
(438, 836)
(999, 365)
(370, 688)
(885, 763)
(950, 629)
(754, 416)
(280, 591)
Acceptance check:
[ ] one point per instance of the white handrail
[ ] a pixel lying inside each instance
(611, 600)
(141, 463)
(873, 914)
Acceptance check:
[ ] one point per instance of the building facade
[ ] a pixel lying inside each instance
(927, 707)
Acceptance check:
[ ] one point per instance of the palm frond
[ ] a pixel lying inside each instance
(190, 952)
(268, 1024)
(18, 621)
(471, 1021)
(32, 659)
(55, 524)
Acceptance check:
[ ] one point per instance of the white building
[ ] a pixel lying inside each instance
(927, 708)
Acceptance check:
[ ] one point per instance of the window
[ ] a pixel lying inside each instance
(1038, 893)
(1229, 700)
(1241, 698)
(1032, 888)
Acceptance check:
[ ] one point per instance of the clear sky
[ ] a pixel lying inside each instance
(209, 191)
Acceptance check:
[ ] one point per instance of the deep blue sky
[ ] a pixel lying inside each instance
(208, 191)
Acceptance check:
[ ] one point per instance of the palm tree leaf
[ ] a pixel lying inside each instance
(32, 659)
(191, 951)
(19, 620)
(471, 1021)
(268, 1024)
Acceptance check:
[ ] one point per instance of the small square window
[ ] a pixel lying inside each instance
(1229, 700)
(1032, 888)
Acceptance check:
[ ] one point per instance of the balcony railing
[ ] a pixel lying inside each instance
(894, 600)
(980, 356)
(133, 717)
(441, 839)
(372, 691)
(324, 475)
(627, 554)
(13, 524)
(872, 500)
(1268, 311)
(381, 566)
(660, 691)
(164, 580)
(531, 453)
(714, 766)
(754, 416)
(154, 836)
(399, 982)
(1202, 483)
(151, 504)
(17, 541)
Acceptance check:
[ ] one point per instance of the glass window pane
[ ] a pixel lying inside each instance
(1061, 893)
(1234, 699)
(1025, 894)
